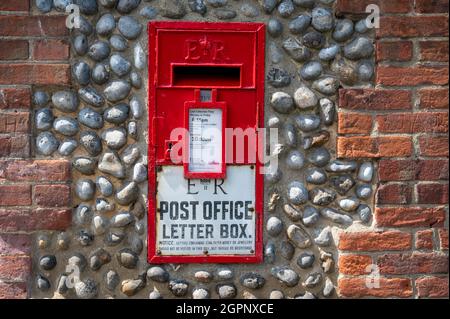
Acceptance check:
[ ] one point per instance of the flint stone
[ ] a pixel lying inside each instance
(298, 236)
(335, 216)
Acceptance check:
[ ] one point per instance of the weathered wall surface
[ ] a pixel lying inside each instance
(362, 116)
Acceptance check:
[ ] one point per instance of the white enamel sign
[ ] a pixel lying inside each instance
(203, 216)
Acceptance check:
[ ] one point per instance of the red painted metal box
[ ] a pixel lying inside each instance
(206, 88)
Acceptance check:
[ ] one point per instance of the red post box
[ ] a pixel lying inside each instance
(206, 88)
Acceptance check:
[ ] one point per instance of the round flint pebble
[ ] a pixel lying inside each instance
(305, 98)
(100, 73)
(282, 102)
(46, 143)
(359, 48)
(274, 226)
(300, 24)
(126, 6)
(105, 25)
(286, 8)
(44, 119)
(274, 27)
(297, 193)
(44, 6)
(129, 27)
(295, 160)
(81, 72)
(322, 19)
(91, 96)
(61, 5)
(311, 70)
(47, 262)
(316, 176)
(99, 51)
(87, 7)
(343, 30)
(66, 126)
(117, 90)
(104, 185)
(115, 138)
(307, 122)
(40, 98)
(117, 114)
(329, 53)
(91, 142)
(90, 118)
(308, 4)
(249, 10)
(118, 42)
(65, 101)
(306, 260)
(319, 156)
(42, 283)
(67, 147)
(119, 65)
(149, 12)
(85, 189)
(363, 191)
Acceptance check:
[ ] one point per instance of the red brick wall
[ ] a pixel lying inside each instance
(403, 124)
(34, 193)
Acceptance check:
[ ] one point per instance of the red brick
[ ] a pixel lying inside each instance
(399, 51)
(433, 145)
(434, 51)
(433, 98)
(374, 99)
(13, 290)
(394, 194)
(13, 220)
(409, 216)
(354, 264)
(15, 195)
(14, 50)
(415, 263)
(50, 49)
(431, 6)
(52, 195)
(432, 193)
(406, 170)
(424, 239)
(432, 287)
(36, 170)
(413, 26)
(15, 146)
(358, 7)
(14, 5)
(33, 26)
(410, 76)
(373, 147)
(443, 238)
(388, 287)
(14, 244)
(425, 122)
(14, 268)
(18, 122)
(354, 123)
(15, 98)
(36, 74)
(374, 241)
